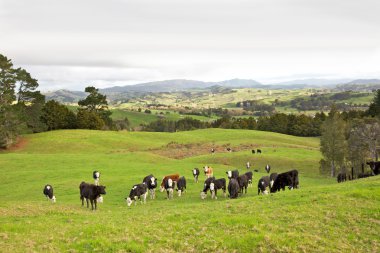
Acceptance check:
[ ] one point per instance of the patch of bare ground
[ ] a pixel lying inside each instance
(18, 145)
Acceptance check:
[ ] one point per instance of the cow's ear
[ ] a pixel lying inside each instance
(104, 187)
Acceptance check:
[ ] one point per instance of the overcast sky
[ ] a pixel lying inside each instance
(71, 44)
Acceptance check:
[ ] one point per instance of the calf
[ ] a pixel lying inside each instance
(289, 179)
(208, 171)
(138, 191)
(267, 168)
(91, 192)
(169, 185)
(232, 174)
(173, 177)
(243, 183)
(341, 177)
(272, 178)
(181, 185)
(233, 188)
(249, 175)
(96, 176)
(196, 174)
(262, 185)
(48, 192)
(151, 183)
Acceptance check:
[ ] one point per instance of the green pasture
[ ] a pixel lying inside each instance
(321, 216)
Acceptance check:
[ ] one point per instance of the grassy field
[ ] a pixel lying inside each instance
(321, 216)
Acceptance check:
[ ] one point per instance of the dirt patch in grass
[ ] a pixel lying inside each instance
(20, 144)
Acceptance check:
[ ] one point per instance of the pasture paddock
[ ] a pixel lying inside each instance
(321, 216)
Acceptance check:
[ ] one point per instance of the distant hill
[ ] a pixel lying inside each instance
(360, 85)
(315, 82)
(65, 96)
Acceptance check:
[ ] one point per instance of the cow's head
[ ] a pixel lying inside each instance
(53, 199)
(101, 189)
(205, 169)
(203, 195)
(153, 181)
(229, 173)
(129, 201)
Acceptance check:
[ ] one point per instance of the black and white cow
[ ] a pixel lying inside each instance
(229, 149)
(232, 174)
(375, 167)
(289, 179)
(341, 177)
(181, 186)
(91, 192)
(272, 178)
(243, 183)
(212, 151)
(233, 188)
(253, 151)
(258, 151)
(151, 183)
(195, 174)
(217, 185)
(262, 185)
(249, 175)
(138, 191)
(48, 192)
(169, 185)
(206, 187)
(248, 165)
(96, 176)
(267, 168)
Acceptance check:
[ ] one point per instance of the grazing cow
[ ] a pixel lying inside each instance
(267, 168)
(196, 174)
(138, 191)
(151, 183)
(229, 149)
(96, 176)
(289, 179)
(243, 183)
(212, 151)
(249, 175)
(253, 151)
(248, 165)
(206, 187)
(375, 167)
(262, 185)
(48, 192)
(181, 186)
(272, 178)
(217, 185)
(208, 171)
(233, 188)
(169, 185)
(258, 151)
(341, 177)
(232, 174)
(173, 177)
(91, 192)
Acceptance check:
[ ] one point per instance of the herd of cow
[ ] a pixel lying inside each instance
(375, 170)
(237, 185)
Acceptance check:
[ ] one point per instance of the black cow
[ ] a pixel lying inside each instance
(96, 176)
(151, 183)
(375, 167)
(229, 149)
(341, 177)
(169, 185)
(217, 185)
(195, 174)
(232, 174)
(249, 175)
(181, 186)
(253, 151)
(258, 151)
(233, 188)
(262, 185)
(206, 187)
(267, 168)
(91, 192)
(289, 179)
(48, 192)
(243, 183)
(272, 178)
(138, 191)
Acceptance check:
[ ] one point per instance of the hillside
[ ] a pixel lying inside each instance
(320, 216)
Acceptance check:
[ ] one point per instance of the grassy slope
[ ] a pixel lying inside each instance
(321, 216)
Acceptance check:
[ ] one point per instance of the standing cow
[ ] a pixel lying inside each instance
(249, 175)
(209, 172)
(232, 174)
(233, 188)
(181, 186)
(138, 191)
(289, 179)
(195, 174)
(262, 185)
(169, 185)
(151, 182)
(91, 192)
(96, 176)
(267, 168)
(272, 178)
(49, 194)
(243, 183)
(173, 177)
(341, 177)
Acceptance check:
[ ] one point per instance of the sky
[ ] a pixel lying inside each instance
(72, 44)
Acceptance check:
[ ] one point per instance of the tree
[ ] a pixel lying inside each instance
(89, 120)
(333, 142)
(57, 116)
(27, 87)
(374, 107)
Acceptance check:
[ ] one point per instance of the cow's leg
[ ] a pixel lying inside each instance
(167, 193)
(92, 204)
(95, 203)
(245, 189)
(87, 202)
(216, 192)
(81, 197)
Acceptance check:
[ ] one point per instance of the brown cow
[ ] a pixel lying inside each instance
(174, 177)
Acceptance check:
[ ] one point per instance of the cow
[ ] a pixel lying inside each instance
(91, 192)
(262, 185)
(138, 191)
(375, 167)
(151, 182)
(243, 183)
(49, 194)
(341, 177)
(206, 187)
(232, 174)
(253, 151)
(229, 149)
(249, 175)
(272, 178)
(289, 179)
(233, 188)
(195, 174)
(173, 177)
(208, 171)
(181, 186)
(96, 176)
(212, 151)
(217, 185)
(248, 165)
(267, 168)
(258, 151)
(169, 185)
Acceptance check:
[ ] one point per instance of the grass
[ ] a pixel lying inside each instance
(322, 216)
